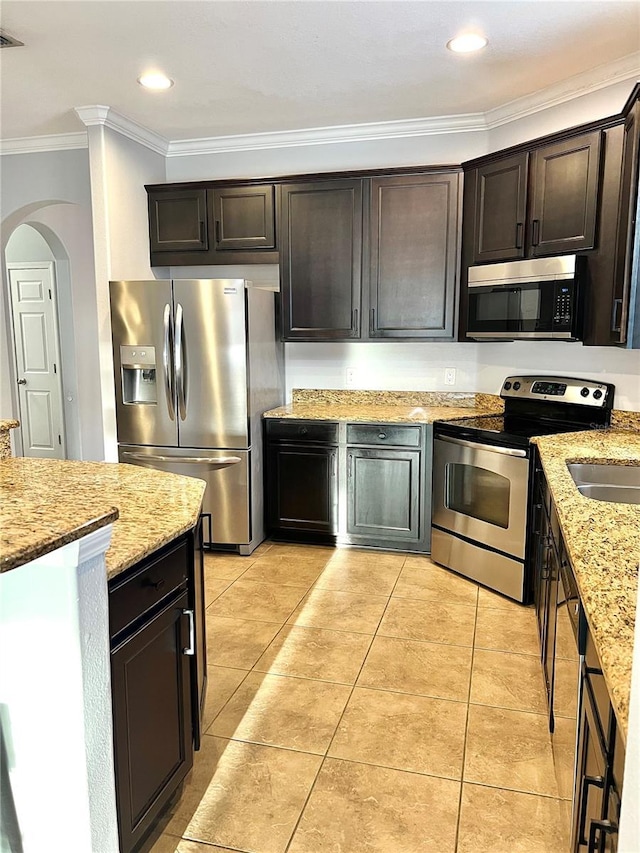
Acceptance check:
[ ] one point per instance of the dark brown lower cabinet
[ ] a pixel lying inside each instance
(157, 682)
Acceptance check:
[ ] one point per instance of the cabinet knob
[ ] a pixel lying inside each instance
(22, 381)
(303, 431)
(153, 584)
(382, 435)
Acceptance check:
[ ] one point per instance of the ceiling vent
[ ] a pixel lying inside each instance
(8, 41)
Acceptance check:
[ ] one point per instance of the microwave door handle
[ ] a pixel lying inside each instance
(514, 314)
(167, 342)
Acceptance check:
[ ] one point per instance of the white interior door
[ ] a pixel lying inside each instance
(38, 366)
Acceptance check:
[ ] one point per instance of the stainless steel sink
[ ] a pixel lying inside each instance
(613, 483)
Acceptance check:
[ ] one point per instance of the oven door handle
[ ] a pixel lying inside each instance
(474, 445)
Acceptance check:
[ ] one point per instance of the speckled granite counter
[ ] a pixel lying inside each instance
(5, 440)
(46, 503)
(603, 541)
(385, 406)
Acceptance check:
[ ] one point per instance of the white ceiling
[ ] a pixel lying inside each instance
(274, 65)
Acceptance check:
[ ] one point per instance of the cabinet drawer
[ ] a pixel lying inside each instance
(132, 597)
(289, 430)
(384, 434)
(599, 690)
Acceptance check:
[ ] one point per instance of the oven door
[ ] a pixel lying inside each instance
(480, 492)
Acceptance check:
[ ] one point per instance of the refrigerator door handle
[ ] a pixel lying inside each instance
(179, 362)
(167, 341)
(219, 462)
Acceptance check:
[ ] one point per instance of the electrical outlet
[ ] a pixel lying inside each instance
(449, 376)
(350, 376)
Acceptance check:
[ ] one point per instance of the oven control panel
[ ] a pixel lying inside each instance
(584, 392)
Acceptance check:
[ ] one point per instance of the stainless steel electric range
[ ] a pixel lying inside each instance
(483, 477)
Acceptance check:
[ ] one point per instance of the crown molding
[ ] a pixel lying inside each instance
(624, 69)
(52, 142)
(98, 114)
(365, 132)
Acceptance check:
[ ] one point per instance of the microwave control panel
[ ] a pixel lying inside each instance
(562, 305)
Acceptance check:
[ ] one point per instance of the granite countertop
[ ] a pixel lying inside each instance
(385, 406)
(603, 541)
(46, 503)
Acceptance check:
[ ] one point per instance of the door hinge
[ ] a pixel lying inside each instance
(60, 440)
(55, 369)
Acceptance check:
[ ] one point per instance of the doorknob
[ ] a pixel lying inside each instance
(22, 381)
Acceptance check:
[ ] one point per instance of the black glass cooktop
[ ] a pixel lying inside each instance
(501, 429)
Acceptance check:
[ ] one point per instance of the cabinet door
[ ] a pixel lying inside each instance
(178, 221)
(564, 195)
(151, 689)
(244, 218)
(321, 250)
(590, 776)
(383, 494)
(626, 227)
(500, 209)
(413, 239)
(302, 489)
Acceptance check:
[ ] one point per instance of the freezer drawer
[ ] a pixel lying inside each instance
(226, 473)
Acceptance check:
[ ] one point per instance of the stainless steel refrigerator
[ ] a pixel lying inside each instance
(196, 363)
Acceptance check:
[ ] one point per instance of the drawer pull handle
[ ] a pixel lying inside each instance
(382, 435)
(153, 584)
(191, 648)
(597, 829)
(303, 431)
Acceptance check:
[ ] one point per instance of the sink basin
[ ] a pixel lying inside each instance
(613, 483)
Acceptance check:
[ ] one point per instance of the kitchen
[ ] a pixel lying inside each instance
(102, 203)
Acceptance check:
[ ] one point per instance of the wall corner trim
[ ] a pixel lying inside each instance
(52, 142)
(97, 114)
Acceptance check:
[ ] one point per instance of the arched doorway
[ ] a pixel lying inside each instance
(41, 341)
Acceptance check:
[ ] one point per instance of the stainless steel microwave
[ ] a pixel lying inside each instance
(537, 299)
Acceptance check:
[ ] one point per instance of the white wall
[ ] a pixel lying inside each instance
(479, 366)
(119, 170)
(50, 191)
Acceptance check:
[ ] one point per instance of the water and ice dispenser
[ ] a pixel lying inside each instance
(138, 374)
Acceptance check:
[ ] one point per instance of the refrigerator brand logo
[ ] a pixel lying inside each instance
(230, 290)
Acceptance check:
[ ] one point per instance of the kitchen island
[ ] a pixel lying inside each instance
(69, 616)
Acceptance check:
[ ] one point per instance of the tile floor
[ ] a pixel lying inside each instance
(364, 702)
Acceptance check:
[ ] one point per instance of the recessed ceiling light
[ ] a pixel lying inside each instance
(467, 43)
(155, 80)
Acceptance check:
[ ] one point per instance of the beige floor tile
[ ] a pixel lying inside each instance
(171, 844)
(495, 601)
(235, 642)
(165, 844)
(296, 713)
(265, 602)
(410, 666)
(564, 749)
(509, 749)
(515, 633)
(429, 621)
(316, 653)
(565, 687)
(402, 731)
(422, 579)
(508, 680)
(498, 821)
(375, 577)
(244, 796)
(214, 587)
(227, 566)
(287, 570)
(341, 611)
(262, 548)
(221, 685)
(356, 808)
(285, 549)
(368, 557)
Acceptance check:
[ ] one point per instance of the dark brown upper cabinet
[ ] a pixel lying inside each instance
(501, 209)
(564, 195)
(244, 218)
(212, 224)
(537, 202)
(413, 255)
(178, 221)
(320, 260)
(627, 223)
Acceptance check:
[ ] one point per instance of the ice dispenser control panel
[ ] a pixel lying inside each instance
(138, 374)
